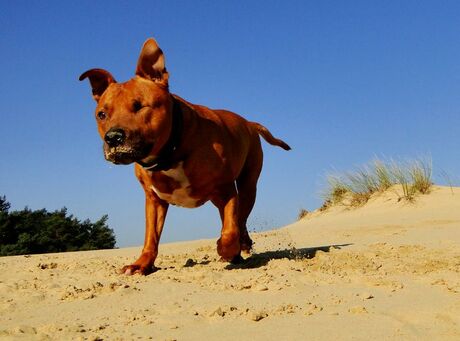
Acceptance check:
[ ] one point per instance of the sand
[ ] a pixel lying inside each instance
(388, 270)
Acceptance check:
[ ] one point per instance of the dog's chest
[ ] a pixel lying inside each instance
(174, 187)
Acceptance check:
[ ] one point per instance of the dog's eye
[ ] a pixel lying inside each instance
(101, 115)
(137, 105)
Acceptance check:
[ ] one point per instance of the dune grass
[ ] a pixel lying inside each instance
(356, 187)
(302, 214)
(448, 180)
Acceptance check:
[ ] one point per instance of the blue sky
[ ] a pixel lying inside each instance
(340, 81)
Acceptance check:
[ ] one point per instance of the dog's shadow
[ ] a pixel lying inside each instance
(258, 260)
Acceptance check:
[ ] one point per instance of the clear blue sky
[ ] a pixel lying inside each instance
(340, 81)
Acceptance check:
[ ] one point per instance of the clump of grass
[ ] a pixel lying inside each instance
(421, 172)
(302, 213)
(383, 175)
(448, 180)
(355, 188)
(338, 191)
(414, 176)
(402, 177)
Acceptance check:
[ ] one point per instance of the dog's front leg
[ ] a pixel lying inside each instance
(228, 245)
(155, 214)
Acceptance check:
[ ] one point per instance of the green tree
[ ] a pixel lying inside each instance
(4, 205)
(40, 231)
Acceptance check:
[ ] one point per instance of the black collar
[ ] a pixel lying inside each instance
(165, 159)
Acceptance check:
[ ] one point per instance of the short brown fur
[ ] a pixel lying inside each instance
(216, 154)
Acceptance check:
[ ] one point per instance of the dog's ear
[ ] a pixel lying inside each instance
(151, 63)
(100, 79)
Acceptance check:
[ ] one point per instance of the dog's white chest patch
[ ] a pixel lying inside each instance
(181, 195)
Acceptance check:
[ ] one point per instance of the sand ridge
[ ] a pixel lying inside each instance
(388, 270)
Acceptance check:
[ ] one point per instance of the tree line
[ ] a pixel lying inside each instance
(40, 231)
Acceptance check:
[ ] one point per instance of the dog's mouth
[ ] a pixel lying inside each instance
(124, 154)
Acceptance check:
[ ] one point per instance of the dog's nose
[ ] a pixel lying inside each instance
(115, 137)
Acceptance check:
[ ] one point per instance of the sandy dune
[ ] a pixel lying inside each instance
(388, 270)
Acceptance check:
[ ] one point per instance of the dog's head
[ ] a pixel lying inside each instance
(134, 118)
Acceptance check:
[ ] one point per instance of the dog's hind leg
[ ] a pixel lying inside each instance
(247, 188)
(226, 200)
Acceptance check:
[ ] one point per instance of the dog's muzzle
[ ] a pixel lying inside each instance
(123, 148)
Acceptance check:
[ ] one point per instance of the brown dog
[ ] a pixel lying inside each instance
(184, 154)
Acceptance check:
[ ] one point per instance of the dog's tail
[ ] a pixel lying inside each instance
(265, 133)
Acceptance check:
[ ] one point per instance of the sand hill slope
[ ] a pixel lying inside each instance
(388, 270)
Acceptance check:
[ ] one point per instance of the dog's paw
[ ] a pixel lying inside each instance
(134, 269)
(143, 266)
(228, 251)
